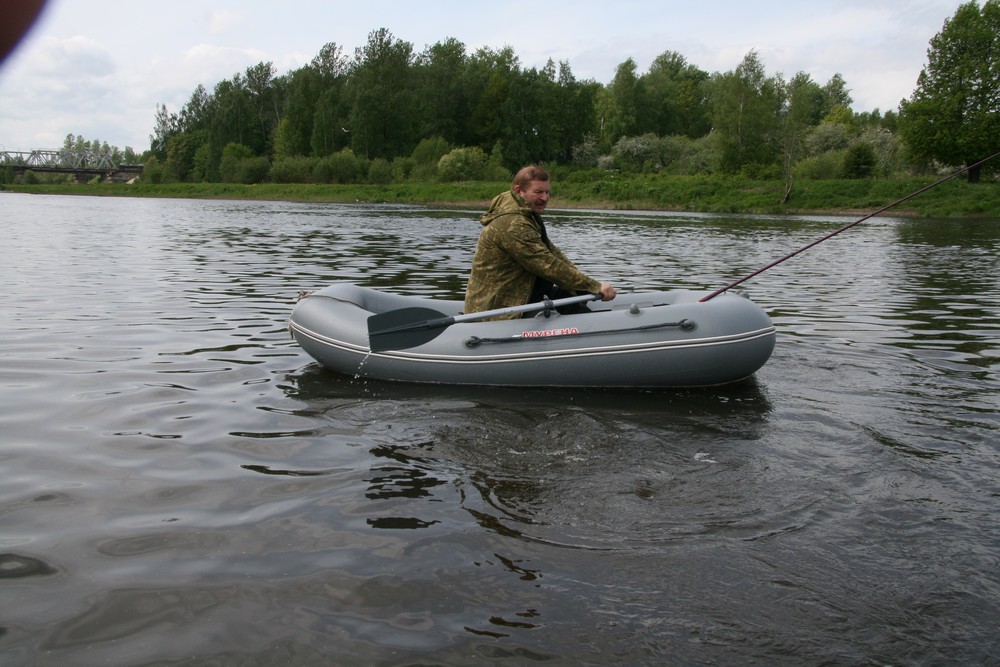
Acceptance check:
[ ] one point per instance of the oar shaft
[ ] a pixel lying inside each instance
(526, 308)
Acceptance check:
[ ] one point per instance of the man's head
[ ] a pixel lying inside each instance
(532, 184)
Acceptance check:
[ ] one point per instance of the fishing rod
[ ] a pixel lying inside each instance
(846, 227)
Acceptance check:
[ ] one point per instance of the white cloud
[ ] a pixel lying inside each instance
(64, 79)
(72, 57)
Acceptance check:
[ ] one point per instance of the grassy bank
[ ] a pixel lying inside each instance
(710, 194)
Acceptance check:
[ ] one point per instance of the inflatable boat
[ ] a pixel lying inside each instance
(638, 340)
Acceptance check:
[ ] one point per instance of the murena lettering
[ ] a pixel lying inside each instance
(550, 332)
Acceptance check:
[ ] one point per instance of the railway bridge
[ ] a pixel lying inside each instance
(84, 165)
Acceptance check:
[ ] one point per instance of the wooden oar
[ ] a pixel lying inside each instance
(410, 327)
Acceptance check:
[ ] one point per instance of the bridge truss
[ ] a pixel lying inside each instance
(63, 160)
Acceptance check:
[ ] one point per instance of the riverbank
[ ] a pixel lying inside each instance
(709, 194)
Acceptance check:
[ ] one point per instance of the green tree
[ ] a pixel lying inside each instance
(231, 113)
(835, 94)
(953, 115)
(330, 115)
(573, 112)
(424, 159)
(746, 110)
(860, 161)
(182, 148)
(543, 120)
(196, 114)
(625, 95)
(463, 164)
(801, 109)
(674, 101)
(263, 99)
(529, 125)
(152, 169)
(166, 124)
(383, 99)
(232, 155)
(443, 102)
(330, 63)
(634, 154)
(295, 130)
(489, 115)
(380, 171)
(341, 167)
(201, 163)
(492, 78)
(330, 121)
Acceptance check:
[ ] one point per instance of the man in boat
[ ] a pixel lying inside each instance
(515, 262)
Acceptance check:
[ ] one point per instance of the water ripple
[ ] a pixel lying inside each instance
(182, 483)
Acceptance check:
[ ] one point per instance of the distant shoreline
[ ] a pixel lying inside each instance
(952, 199)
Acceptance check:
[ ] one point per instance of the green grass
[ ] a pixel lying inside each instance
(710, 194)
(740, 195)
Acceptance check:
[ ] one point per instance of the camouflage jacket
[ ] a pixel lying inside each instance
(510, 253)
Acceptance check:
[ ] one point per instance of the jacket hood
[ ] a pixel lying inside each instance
(507, 203)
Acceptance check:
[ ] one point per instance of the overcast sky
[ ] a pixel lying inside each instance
(99, 69)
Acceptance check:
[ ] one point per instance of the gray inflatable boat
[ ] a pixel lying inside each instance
(639, 340)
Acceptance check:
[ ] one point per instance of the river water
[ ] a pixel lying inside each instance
(181, 484)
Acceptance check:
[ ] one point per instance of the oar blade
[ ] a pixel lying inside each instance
(410, 327)
(404, 327)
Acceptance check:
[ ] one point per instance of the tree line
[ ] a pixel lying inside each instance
(388, 113)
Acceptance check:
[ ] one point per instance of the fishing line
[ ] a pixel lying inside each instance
(846, 227)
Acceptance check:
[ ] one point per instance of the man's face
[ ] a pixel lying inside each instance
(535, 193)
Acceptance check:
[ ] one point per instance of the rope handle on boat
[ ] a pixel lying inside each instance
(314, 294)
(685, 325)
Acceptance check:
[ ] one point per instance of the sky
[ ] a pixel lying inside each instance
(99, 69)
